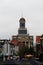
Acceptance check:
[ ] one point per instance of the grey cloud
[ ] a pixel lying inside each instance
(10, 13)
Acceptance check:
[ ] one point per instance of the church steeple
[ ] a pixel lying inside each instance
(22, 29)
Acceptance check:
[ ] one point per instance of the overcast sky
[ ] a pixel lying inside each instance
(12, 10)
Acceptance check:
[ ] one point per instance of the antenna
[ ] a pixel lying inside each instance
(22, 14)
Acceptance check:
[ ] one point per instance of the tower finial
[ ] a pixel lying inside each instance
(22, 14)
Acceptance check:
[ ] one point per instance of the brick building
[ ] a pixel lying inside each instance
(39, 45)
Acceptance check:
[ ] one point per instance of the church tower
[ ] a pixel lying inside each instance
(23, 39)
(22, 30)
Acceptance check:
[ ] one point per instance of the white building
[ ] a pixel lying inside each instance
(6, 50)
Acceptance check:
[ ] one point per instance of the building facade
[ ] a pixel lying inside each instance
(22, 39)
(41, 41)
(39, 45)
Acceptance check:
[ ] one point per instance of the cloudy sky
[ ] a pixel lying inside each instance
(12, 10)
